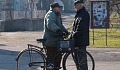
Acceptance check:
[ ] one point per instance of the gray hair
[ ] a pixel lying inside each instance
(81, 4)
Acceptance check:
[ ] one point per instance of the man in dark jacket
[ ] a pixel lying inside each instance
(80, 31)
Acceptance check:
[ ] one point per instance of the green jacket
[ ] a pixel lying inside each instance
(52, 22)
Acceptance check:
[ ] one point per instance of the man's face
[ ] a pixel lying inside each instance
(78, 6)
(57, 9)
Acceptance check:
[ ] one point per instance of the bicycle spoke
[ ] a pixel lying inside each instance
(70, 64)
(31, 60)
(78, 62)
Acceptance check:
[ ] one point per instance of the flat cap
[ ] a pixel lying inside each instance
(78, 2)
(55, 4)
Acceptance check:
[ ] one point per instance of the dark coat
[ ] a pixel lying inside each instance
(80, 30)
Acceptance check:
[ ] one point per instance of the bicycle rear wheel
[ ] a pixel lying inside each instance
(69, 62)
(31, 60)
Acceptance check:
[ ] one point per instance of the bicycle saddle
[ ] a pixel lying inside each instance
(40, 40)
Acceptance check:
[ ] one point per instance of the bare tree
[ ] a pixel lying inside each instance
(115, 14)
(44, 4)
(115, 6)
(68, 5)
(8, 8)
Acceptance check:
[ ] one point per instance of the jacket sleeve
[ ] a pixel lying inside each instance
(83, 26)
(51, 22)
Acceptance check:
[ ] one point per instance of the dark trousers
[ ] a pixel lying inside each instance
(51, 53)
(81, 58)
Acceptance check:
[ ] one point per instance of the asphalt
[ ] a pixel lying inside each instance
(11, 43)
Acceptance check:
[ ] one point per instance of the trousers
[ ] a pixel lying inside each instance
(81, 57)
(53, 56)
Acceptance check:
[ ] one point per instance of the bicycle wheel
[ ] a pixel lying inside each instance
(70, 63)
(31, 60)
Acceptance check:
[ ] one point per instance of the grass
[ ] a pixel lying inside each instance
(113, 34)
(113, 37)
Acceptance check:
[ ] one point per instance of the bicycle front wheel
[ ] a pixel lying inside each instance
(31, 60)
(70, 63)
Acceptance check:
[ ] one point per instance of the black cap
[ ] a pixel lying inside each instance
(78, 2)
(55, 4)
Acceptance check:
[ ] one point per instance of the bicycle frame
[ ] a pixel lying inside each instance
(49, 62)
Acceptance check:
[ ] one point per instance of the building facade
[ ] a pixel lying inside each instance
(45, 4)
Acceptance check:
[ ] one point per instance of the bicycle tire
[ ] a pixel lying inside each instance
(69, 63)
(31, 60)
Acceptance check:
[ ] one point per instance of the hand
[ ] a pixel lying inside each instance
(60, 33)
(68, 33)
(71, 36)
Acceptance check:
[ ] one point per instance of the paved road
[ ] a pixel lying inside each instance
(11, 43)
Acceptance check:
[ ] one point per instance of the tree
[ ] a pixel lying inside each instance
(8, 8)
(68, 5)
(115, 6)
(44, 4)
(115, 13)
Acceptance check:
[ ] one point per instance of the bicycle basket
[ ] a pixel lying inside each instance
(65, 45)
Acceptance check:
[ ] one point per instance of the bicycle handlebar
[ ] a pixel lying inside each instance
(66, 35)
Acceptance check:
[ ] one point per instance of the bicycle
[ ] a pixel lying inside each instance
(34, 57)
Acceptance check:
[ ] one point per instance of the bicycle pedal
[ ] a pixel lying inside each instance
(50, 68)
(42, 66)
(58, 67)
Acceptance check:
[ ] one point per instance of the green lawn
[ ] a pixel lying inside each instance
(113, 34)
(113, 37)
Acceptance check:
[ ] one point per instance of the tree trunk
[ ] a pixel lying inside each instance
(44, 4)
(68, 5)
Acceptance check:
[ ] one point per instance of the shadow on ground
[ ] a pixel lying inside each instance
(7, 59)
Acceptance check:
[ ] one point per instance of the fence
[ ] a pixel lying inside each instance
(22, 14)
(22, 20)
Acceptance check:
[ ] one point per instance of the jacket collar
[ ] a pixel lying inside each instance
(57, 13)
(82, 9)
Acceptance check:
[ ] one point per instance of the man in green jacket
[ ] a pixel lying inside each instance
(53, 31)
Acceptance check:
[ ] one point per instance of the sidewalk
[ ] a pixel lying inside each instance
(11, 43)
